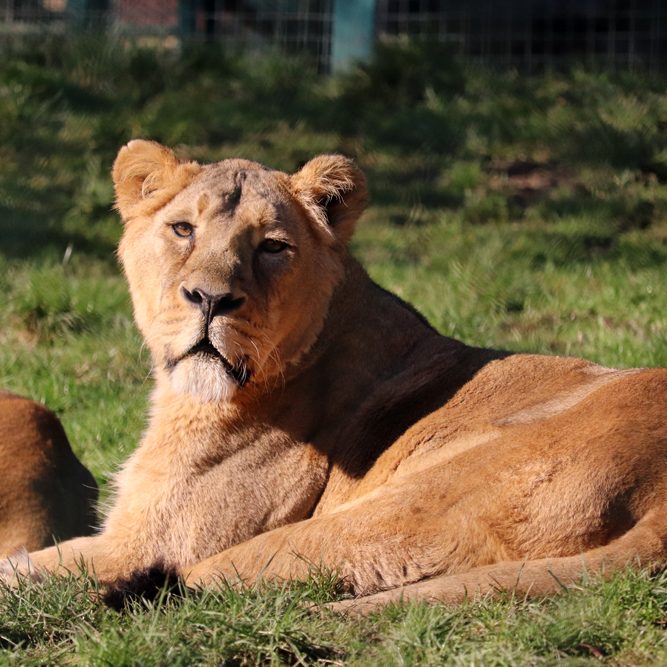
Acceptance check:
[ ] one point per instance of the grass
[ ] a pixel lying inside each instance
(620, 621)
(527, 213)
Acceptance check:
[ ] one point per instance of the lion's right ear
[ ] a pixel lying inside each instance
(146, 175)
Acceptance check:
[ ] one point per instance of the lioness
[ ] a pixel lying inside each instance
(46, 492)
(304, 417)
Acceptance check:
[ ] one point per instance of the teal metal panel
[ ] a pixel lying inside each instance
(353, 32)
(187, 13)
(76, 12)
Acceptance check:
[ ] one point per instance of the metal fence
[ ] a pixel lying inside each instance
(527, 34)
(293, 26)
(534, 34)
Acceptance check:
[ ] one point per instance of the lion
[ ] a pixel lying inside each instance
(303, 417)
(47, 493)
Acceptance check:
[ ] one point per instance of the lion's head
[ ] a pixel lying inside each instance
(231, 265)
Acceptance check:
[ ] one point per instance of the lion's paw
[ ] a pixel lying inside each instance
(16, 567)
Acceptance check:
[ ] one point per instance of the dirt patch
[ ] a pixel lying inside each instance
(528, 180)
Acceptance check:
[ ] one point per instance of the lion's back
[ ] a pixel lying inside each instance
(47, 493)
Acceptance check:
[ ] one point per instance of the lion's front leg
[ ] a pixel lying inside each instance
(368, 556)
(271, 556)
(96, 556)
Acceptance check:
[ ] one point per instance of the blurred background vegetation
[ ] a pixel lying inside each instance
(526, 212)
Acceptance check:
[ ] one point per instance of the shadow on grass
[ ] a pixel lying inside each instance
(26, 236)
(564, 249)
(624, 212)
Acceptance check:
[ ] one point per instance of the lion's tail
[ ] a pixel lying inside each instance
(645, 545)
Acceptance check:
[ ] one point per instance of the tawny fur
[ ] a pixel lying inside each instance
(46, 494)
(363, 441)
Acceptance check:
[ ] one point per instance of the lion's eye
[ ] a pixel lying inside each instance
(272, 245)
(183, 229)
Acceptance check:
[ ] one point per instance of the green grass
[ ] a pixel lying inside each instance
(526, 213)
(620, 621)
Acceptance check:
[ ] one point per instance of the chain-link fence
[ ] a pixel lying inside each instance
(528, 34)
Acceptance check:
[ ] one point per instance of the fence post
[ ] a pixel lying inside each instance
(76, 12)
(353, 32)
(88, 13)
(187, 14)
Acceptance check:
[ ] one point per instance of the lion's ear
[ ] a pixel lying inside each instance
(333, 190)
(146, 176)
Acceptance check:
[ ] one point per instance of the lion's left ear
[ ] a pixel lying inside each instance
(333, 190)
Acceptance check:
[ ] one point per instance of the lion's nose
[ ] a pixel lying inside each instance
(212, 304)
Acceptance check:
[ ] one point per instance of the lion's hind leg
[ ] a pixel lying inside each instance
(644, 545)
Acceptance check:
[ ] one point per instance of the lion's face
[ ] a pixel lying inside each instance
(231, 266)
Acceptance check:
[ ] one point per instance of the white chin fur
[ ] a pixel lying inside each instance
(204, 379)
